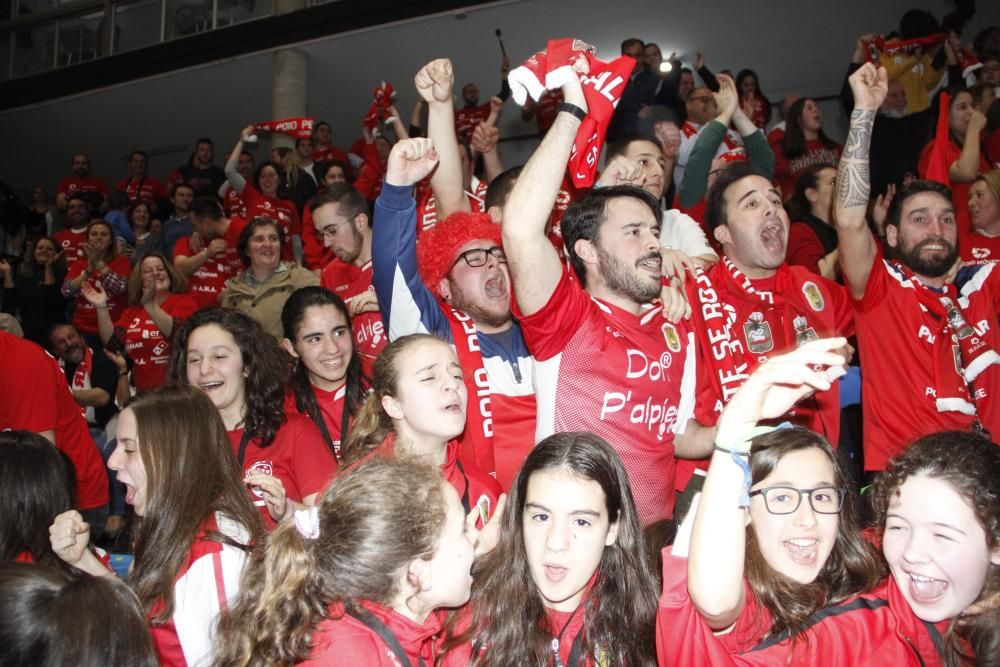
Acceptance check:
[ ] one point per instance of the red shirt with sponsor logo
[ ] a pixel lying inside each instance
(467, 118)
(604, 370)
(896, 343)
(281, 211)
(297, 456)
(34, 396)
(760, 330)
(232, 202)
(206, 284)
(146, 345)
(978, 248)
(86, 184)
(71, 243)
(348, 281)
(144, 188)
(330, 154)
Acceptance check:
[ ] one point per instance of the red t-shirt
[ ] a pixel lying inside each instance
(34, 396)
(467, 118)
(804, 247)
(144, 342)
(232, 202)
(327, 154)
(146, 188)
(298, 457)
(347, 282)
(84, 314)
(604, 370)
(331, 409)
(71, 243)
(314, 252)
(85, 184)
(281, 211)
(979, 248)
(896, 343)
(206, 284)
(959, 191)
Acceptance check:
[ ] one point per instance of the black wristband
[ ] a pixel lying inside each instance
(572, 109)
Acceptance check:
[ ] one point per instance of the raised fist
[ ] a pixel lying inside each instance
(435, 81)
(870, 86)
(410, 161)
(484, 138)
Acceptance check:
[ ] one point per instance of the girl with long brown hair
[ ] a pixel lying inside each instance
(569, 582)
(357, 579)
(195, 526)
(415, 411)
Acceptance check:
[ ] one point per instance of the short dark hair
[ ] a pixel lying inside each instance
(632, 40)
(715, 205)
(912, 189)
(183, 185)
(500, 187)
(142, 153)
(248, 231)
(352, 203)
(206, 207)
(619, 147)
(584, 217)
(204, 140)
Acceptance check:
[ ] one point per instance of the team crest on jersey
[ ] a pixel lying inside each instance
(671, 338)
(758, 334)
(813, 296)
(980, 253)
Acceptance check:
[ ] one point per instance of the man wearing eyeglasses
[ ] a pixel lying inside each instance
(343, 225)
(702, 109)
(454, 284)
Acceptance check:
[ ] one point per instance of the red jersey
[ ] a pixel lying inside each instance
(206, 583)
(281, 211)
(314, 251)
(370, 335)
(84, 314)
(82, 184)
(34, 397)
(71, 243)
(145, 344)
(467, 118)
(142, 188)
(331, 154)
(873, 629)
(896, 340)
(427, 214)
(959, 191)
(604, 370)
(978, 248)
(207, 282)
(297, 456)
(804, 247)
(331, 409)
(341, 639)
(232, 202)
(741, 329)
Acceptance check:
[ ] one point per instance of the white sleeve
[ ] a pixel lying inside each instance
(198, 597)
(682, 232)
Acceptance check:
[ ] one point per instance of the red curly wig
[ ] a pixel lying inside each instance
(438, 247)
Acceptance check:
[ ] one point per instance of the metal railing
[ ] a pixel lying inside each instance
(41, 35)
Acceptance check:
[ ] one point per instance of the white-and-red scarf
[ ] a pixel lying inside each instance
(382, 97)
(879, 44)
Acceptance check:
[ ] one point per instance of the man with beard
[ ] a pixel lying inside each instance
(605, 361)
(343, 224)
(92, 188)
(71, 240)
(455, 285)
(752, 305)
(92, 378)
(928, 347)
(204, 177)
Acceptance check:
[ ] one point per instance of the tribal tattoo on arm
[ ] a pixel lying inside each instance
(853, 176)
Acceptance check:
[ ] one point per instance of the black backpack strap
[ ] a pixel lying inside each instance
(383, 631)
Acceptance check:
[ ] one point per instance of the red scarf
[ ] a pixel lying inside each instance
(83, 369)
(723, 347)
(476, 441)
(602, 87)
(938, 165)
(960, 352)
(381, 101)
(297, 128)
(900, 45)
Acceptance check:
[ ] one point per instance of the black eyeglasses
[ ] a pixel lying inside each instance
(479, 256)
(786, 500)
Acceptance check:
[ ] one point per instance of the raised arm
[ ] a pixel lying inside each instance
(855, 241)
(434, 83)
(694, 183)
(485, 140)
(232, 174)
(535, 268)
(966, 168)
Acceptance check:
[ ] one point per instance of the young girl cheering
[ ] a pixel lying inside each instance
(416, 411)
(327, 385)
(568, 583)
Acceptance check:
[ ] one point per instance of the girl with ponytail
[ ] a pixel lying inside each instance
(327, 383)
(416, 411)
(357, 582)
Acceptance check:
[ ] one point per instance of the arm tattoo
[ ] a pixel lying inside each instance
(853, 177)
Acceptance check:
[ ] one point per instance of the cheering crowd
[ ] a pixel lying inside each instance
(727, 399)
